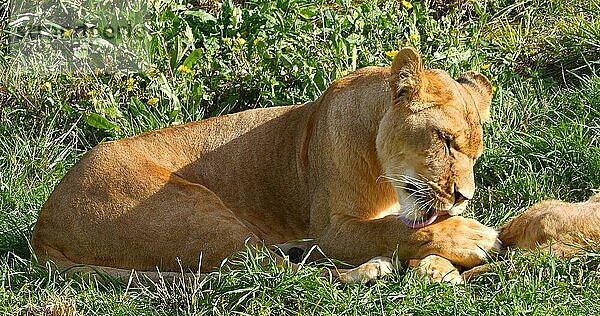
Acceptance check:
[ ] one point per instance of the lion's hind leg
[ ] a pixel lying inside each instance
(168, 222)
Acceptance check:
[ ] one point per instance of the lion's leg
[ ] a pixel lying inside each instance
(432, 267)
(134, 276)
(437, 269)
(210, 252)
(465, 242)
(373, 269)
(64, 265)
(168, 222)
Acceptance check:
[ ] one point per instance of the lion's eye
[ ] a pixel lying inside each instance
(447, 140)
(448, 143)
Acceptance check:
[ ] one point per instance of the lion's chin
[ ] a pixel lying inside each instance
(420, 223)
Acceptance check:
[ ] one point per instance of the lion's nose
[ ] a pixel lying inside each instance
(459, 196)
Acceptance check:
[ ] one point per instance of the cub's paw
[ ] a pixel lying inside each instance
(463, 241)
(437, 269)
(367, 272)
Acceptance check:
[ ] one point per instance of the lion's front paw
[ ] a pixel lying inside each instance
(463, 241)
(369, 271)
(437, 269)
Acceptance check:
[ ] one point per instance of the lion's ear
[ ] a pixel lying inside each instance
(406, 78)
(480, 88)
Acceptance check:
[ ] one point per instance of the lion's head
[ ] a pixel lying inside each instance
(430, 138)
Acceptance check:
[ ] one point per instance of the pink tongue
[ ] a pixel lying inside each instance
(419, 224)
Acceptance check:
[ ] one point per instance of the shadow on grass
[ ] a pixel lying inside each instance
(15, 238)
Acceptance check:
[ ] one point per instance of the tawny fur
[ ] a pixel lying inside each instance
(564, 228)
(436, 269)
(164, 198)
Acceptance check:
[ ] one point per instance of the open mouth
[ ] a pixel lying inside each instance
(431, 216)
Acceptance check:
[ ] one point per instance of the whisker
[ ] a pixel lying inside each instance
(419, 198)
(423, 205)
(411, 189)
(403, 176)
(423, 178)
(404, 179)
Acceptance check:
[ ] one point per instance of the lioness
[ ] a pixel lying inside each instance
(381, 162)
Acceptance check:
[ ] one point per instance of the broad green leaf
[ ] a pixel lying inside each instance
(308, 13)
(98, 121)
(191, 59)
(202, 15)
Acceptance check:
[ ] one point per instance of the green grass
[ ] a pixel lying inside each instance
(543, 142)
